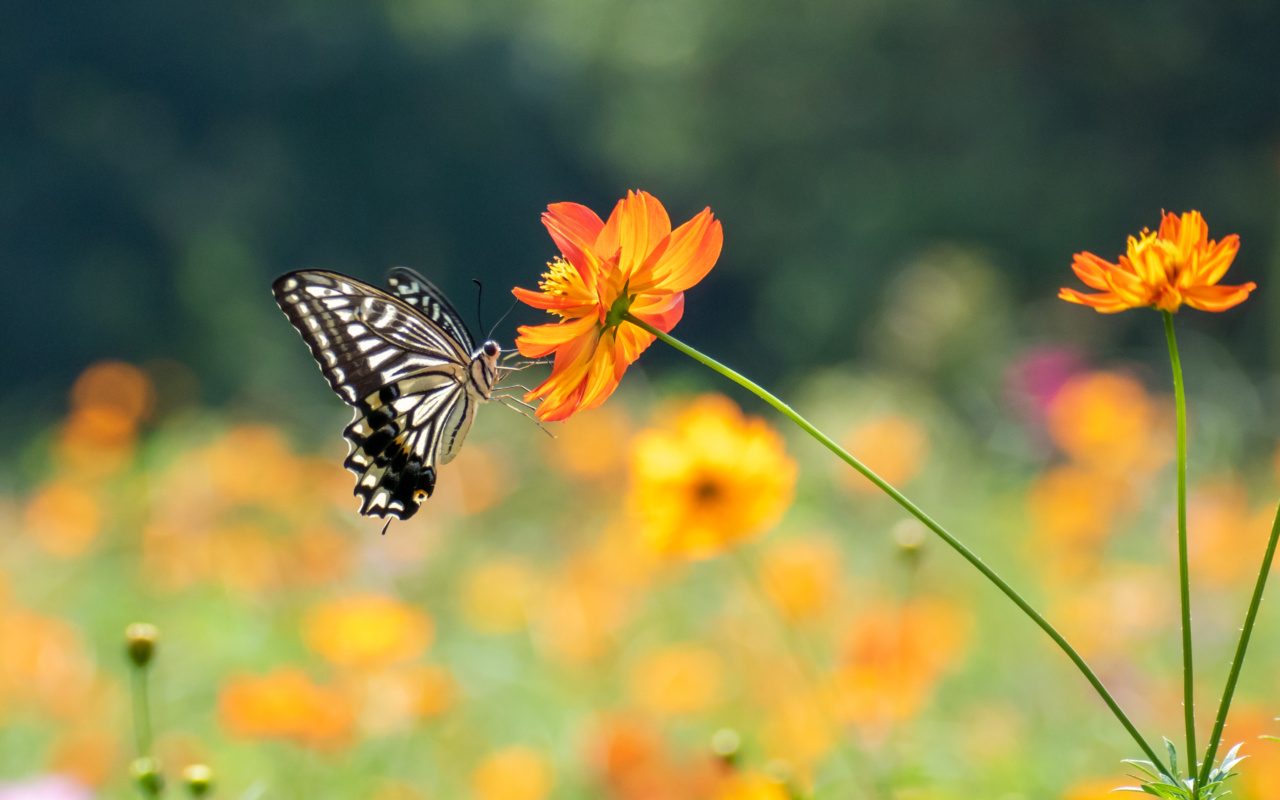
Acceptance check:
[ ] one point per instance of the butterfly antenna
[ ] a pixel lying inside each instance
(479, 306)
(501, 318)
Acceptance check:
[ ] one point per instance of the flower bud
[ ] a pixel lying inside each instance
(909, 537)
(199, 780)
(727, 744)
(146, 773)
(140, 643)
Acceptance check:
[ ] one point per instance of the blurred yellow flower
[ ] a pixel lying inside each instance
(677, 679)
(1107, 421)
(513, 773)
(800, 575)
(286, 704)
(895, 656)
(1164, 269)
(366, 630)
(752, 786)
(498, 595)
(799, 729)
(63, 517)
(712, 480)
(893, 446)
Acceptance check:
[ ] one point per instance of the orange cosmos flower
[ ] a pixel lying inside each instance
(634, 263)
(1178, 264)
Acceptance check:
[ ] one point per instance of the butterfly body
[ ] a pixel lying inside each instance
(406, 362)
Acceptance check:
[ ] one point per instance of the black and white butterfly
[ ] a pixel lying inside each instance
(407, 363)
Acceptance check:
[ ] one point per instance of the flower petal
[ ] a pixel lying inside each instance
(629, 342)
(536, 341)
(549, 302)
(660, 311)
(1092, 270)
(1213, 264)
(642, 226)
(688, 256)
(601, 379)
(1105, 303)
(1217, 298)
(575, 228)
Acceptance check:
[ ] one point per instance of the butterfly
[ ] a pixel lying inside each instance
(406, 362)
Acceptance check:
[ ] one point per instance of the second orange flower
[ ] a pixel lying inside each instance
(633, 264)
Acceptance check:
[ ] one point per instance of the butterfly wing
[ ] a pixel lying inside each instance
(426, 297)
(406, 376)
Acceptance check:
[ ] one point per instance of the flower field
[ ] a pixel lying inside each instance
(674, 596)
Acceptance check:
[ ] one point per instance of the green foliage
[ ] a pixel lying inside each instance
(1175, 787)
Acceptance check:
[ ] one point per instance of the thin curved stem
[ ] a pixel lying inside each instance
(141, 711)
(1184, 579)
(1215, 738)
(928, 521)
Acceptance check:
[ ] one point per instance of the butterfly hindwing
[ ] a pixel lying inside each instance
(409, 377)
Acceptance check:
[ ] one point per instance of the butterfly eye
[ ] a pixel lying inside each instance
(491, 349)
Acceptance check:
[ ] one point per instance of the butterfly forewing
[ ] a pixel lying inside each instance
(408, 377)
(423, 295)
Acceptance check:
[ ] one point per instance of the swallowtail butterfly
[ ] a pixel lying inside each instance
(406, 362)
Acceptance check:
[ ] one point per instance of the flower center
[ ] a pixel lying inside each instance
(706, 491)
(559, 278)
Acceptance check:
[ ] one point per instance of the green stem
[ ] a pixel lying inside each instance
(141, 711)
(1215, 738)
(928, 521)
(1184, 579)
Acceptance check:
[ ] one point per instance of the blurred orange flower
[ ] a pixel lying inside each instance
(286, 704)
(1225, 538)
(799, 576)
(712, 480)
(677, 679)
(1116, 611)
(894, 447)
(513, 773)
(635, 264)
(108, 401)
(633, 763)
(43, 663)
(63, 518)
(88, 754)
(894, 656)
(1108, 421)
(1176, 265)
(591, 446)
(366, 630)
(1072, 511)
(397, 698)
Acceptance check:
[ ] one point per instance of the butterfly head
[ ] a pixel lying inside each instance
(484, 367)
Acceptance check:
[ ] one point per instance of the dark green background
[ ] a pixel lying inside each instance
(161, 162)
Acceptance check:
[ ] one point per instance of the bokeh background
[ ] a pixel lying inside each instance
(902, 186)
